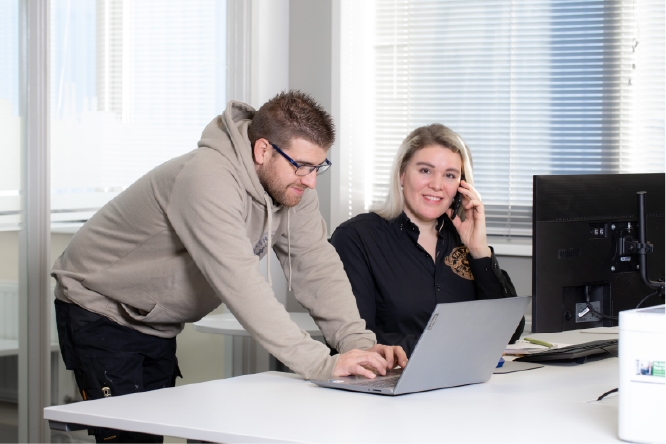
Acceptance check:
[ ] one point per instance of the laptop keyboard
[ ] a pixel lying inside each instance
(386, 382)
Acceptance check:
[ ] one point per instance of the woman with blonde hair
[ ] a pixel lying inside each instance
(426, 244)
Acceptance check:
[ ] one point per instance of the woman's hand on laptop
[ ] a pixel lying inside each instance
(368, 363)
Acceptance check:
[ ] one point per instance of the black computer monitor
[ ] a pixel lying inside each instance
(579, 223)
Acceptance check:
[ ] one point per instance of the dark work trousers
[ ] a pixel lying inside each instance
(109, 359)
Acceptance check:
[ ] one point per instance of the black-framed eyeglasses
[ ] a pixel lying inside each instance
(304, 170)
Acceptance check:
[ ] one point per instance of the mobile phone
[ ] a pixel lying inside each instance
(457, 201)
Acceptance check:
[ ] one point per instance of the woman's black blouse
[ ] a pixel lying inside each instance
(396, 282)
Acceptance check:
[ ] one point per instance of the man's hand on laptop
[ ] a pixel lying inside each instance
(368, 363)
(393, 354)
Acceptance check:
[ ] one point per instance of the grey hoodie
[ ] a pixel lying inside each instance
(189, 235)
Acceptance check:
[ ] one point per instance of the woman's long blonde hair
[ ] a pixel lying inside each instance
(435, 134)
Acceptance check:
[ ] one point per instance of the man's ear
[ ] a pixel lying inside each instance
(259, 152)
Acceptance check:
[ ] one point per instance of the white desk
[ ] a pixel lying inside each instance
(242, 345)
(551, 404)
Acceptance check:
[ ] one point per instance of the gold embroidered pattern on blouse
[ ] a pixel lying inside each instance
(458, 262)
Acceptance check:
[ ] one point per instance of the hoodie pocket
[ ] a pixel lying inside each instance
(157, 315)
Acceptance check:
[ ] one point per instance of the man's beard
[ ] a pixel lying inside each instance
(278, 191)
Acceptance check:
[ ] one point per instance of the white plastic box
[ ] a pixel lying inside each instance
(642, 389)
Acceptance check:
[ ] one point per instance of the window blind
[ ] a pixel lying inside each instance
(532, 86)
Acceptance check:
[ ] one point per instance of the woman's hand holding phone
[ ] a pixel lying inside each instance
(472, 230)
(457, 201)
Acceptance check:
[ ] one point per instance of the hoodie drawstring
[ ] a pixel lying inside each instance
(270, 231)
(269, 205)
(289, 247)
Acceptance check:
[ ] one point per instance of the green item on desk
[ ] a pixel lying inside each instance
(538, 342)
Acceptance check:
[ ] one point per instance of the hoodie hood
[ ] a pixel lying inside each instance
(227, 134)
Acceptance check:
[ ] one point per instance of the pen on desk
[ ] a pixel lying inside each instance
(538, 342)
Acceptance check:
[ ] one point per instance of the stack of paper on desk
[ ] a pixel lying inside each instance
(525, 348)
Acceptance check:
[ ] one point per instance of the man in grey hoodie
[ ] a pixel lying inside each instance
(188, 236)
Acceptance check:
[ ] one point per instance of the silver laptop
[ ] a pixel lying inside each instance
(461, 344)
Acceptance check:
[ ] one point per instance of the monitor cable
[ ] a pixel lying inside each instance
(609, 352)
(591, 309)
(656, 293)
(607, 393)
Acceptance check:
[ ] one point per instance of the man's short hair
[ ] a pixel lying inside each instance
(290, 115)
